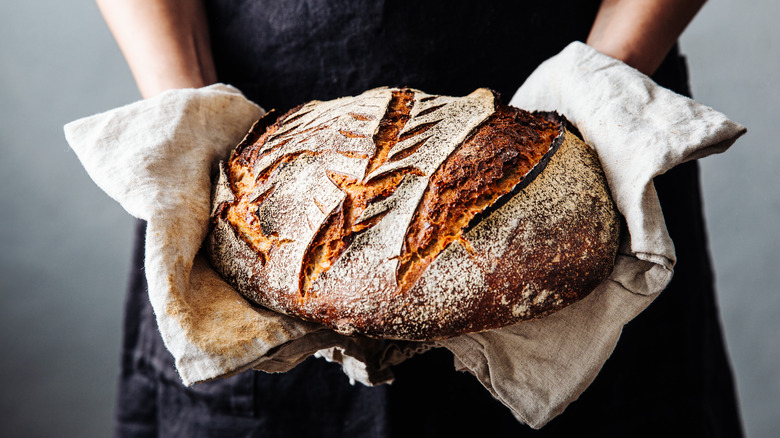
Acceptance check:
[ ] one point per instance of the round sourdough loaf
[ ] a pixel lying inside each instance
(402, 215)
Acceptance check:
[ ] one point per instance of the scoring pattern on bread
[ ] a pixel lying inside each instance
(387, 214)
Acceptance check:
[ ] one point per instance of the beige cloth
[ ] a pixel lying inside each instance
(155, 158)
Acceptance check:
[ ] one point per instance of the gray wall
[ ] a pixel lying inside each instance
(734, 55)
(66, 245)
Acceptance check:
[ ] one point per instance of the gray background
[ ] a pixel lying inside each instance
(66, 245)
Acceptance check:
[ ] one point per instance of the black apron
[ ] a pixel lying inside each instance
(669, 373)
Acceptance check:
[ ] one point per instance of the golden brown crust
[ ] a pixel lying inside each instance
(429, 216)
(487, 166)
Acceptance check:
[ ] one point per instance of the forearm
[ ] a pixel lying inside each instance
(641, 32)
(165, 43)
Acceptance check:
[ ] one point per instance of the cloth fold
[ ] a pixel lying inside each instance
(156, 158)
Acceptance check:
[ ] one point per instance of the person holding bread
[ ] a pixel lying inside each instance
(282, 54)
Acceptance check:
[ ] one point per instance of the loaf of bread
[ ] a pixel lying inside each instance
(402, 215)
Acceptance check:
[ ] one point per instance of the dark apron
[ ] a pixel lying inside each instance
(669, 373)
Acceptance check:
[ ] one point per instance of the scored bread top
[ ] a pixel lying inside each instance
(338, 212)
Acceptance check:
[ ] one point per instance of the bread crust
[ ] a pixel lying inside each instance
(401, 215)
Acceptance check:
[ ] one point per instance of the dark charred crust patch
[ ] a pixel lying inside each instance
(256, 131)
